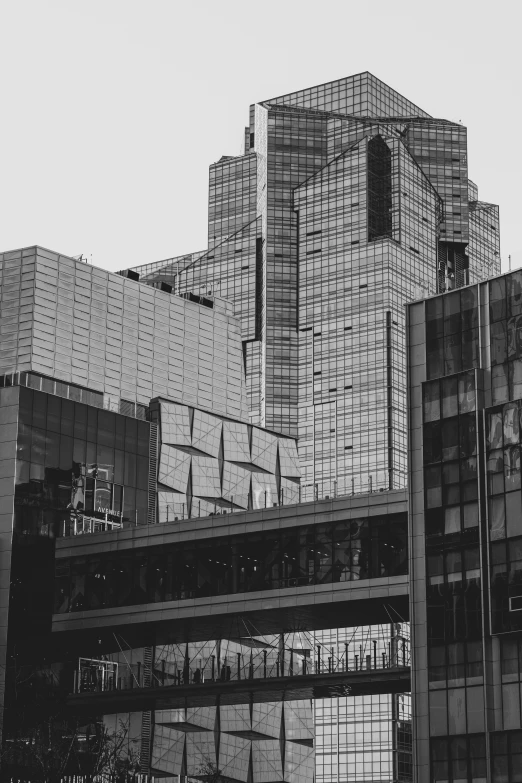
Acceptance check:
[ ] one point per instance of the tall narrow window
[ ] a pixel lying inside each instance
(379, 189)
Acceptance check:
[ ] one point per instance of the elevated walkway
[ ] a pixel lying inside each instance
(270, 689)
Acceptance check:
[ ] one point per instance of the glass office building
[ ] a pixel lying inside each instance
(123, 405)
(348, 202)
(464, 355)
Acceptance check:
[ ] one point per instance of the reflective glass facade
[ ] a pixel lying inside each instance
(466, 531)
(353, 201)
(319, 554)
(349, 201)
(75, 461)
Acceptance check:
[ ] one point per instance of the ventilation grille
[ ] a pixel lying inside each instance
(153, 473)
(146, 741)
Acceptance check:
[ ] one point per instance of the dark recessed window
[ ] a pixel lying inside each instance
(317, 334)
(244, 267)
(333, 390)
(355, 242)
(308, 329)
(347, 448)
(379, 189)
(317, 372)
(347, 387)
(313, 233)
(364, 285)
(347, 328)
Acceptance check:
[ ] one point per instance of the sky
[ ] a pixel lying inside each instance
(111, 111)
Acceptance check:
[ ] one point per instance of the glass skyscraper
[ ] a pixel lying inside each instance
(465, 378)
(348, 202)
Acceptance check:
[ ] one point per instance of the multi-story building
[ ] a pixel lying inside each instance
(348, 202)
(465, 389)
(123, 405)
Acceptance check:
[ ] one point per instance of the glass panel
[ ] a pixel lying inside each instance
(452, 321)
(511, 422)
(498, 342)
(431, 400)
(470, 349)
(512, 468)
(434, 318)
(515, 379)
(497, 519)
(469, 307)
(467, 392)
(514, 293)
(499, 384)
(452, 354)
(497, 299)
(450, 439)
(432, 443)
(449, 397)
(514, 337)
(494, 437)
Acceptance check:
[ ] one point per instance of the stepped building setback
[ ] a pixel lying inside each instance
(208, 509)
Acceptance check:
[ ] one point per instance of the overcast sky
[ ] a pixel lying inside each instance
(112, 110)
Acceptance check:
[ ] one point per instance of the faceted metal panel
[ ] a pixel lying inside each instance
(174, 467)
(201, 749)
(264, 490)
(206, 481)
(235, 718)
(235, 441)
(264, 446)
(298, 720)
(290, 492)
(236, 484)
(234, 757)
(202, 716)
(267, 765)
(288, 459)
(234, 481)
(250, 734)
(206, 433)
(266, 718)
(299, 763)
(167, 750)
(175, 424)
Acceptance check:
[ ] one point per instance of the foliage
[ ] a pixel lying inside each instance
(52, 749)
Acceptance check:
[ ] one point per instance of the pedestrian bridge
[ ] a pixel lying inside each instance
(327, 564)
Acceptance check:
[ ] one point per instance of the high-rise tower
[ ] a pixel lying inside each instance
(349, 201)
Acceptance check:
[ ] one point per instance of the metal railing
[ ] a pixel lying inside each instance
(238, 666)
